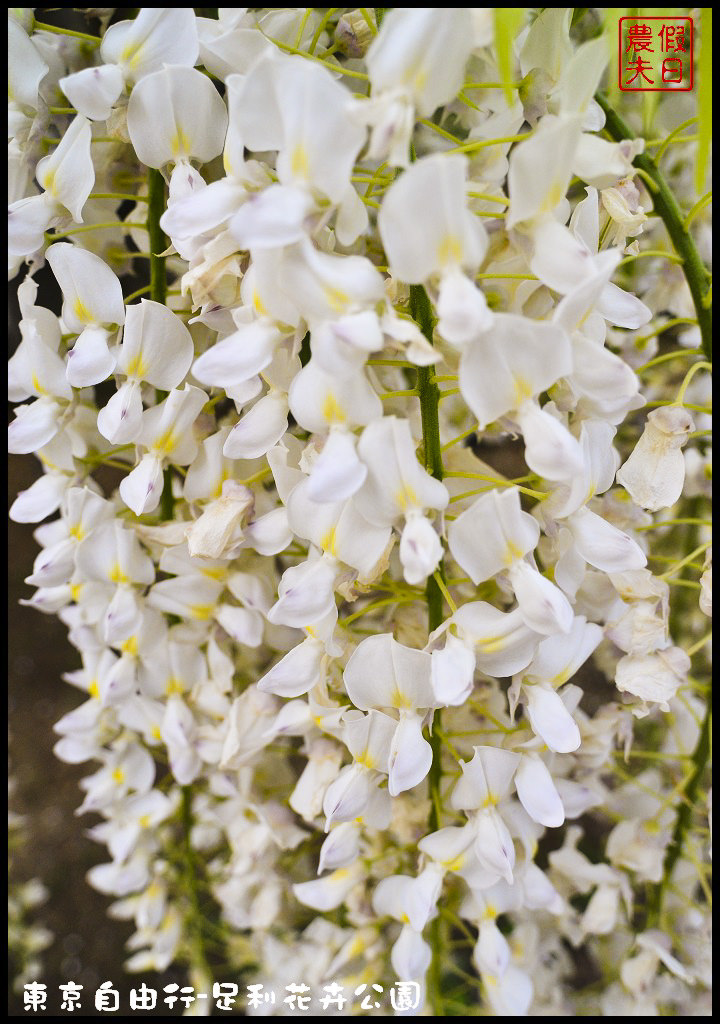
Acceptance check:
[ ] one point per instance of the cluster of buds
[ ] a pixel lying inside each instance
(350, 659)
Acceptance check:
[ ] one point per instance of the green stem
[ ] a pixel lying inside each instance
(700, 758)
(158, 293)
(666, 206)
(195, 915)
(429, 395)
(157, 238)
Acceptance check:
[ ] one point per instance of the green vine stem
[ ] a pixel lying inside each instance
(429, 395)
(700, 758)
(158, 293)
(195, 914)
(156, 235)
(666, 206)
(158, 243)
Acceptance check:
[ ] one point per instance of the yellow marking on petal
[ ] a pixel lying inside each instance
(492, 644)
(299, 161)
(456, 863)
(365, 759)
(93, 688)
(155, 733)
(258, 303)
(131, 54)
(523, 390)
(224, 475)
(173, 685)
(77, 531)
(166, 442)
(144, 821)
(118, 775)
(130, 646)
(555, 194)
(218, 573)
(82, 312)
(338, 300)
(512, 553)
(562, 677)
(331, 410)
(136, 367)
(180, 143)
(449, 250)
(116, 575)
(405, 497)
(76, 591)
(327, 543)
(48, 181)
(201, 611)
(401, 702)
(37, 385)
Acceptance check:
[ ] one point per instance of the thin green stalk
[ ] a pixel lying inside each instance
(196, 915)
(157, 238)
(158, 293)
(665, 204)
(429, 395)
(700, 758)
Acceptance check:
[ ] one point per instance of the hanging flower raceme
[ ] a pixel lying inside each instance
(387, 603)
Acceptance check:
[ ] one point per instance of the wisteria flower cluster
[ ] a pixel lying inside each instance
(378, 513)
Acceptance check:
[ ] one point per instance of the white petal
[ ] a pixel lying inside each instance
(543, 606)
(306, 593)
(340, 848)
(34, 425)
(550, 449)
(40, 499)
(493, 844)
(410, 755)
(271, 218)
(491, 954)
(410, 956)
(239, 356)
(141, 489)
(604, 545)
(381, 673)
(176, 114)
(120, 421)
(68, 174)
(514, 360)
(90, 360)
(94, 91)
(158, 36)
(259, 429)
(346, 798)
(462, 309)
(269, 534)
(420, 549)
(424, 221)
(297, 672)
(492, 534)
(537, 792)
(550, 719)
(157, 346)
(92, 293)
(453, 670)
(338, 472)
(486, 779)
